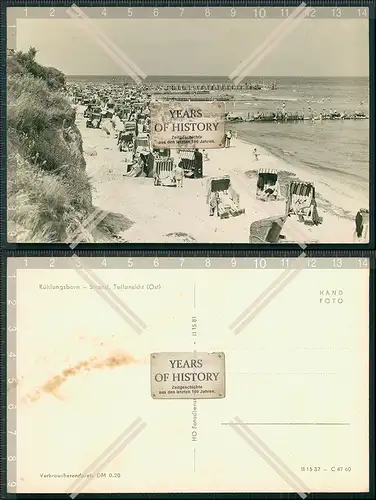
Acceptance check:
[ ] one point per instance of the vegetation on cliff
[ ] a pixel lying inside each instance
(49, 192)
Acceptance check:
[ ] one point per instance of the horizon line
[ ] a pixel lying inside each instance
(220, 76)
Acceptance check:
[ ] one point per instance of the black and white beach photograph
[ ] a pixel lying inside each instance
(188, 125)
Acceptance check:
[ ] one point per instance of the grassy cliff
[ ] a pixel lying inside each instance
(49, 192)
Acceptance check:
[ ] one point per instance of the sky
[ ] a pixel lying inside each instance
(207, 47)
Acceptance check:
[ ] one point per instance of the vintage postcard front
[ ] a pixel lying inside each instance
(104, 356)
(186, 124)
(204, 99)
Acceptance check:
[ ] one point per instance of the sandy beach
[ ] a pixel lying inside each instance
(168, 215)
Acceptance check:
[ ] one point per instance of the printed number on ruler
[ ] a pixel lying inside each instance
(259, 13)
(363, 263)
(311, 13)
(260, 263)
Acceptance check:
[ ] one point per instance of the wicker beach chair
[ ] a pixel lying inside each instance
(301, 202)
(266, 230)
(268, 188)
(300, 195)
(141, 140)
(221, 192)
(187, 161)
(163, 172)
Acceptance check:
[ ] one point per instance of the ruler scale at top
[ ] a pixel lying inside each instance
(186, 263)
(258, 11)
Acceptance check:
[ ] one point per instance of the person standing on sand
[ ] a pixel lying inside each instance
(128, 158)
(255, 154)
(228, 139)
(178, 173)
(213, 203)
(198, 164)
(316, 219)
(359, 224)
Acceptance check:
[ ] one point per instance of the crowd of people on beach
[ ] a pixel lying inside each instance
(124, 112)
(283, 114)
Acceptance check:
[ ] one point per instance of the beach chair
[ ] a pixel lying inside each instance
(94, 120)
(221, 194)
(301, 202)
(129, 127)
(268, 188)
(163, 172)
(125, 139)
(187, 161)
(162, 152)
(267, 230)
(141, 140)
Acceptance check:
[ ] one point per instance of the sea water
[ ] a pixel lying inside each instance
(336, 151)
